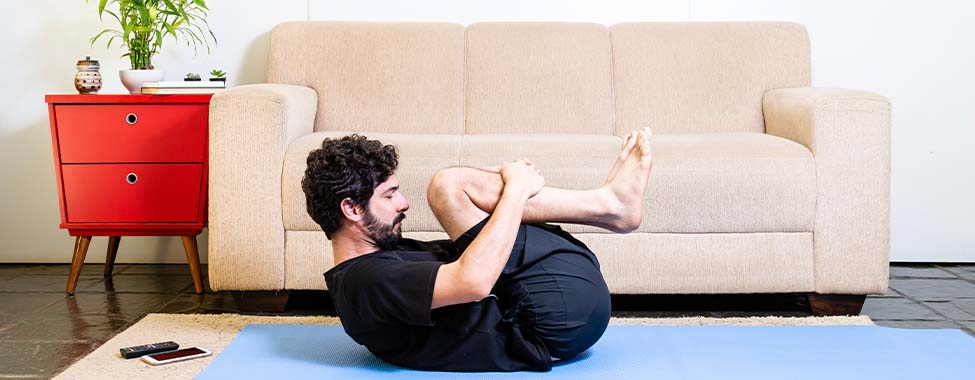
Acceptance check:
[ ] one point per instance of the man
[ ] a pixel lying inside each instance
(505, 293)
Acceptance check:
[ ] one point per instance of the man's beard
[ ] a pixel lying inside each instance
(385, 235)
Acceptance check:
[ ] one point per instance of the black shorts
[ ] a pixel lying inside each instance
(551, 287)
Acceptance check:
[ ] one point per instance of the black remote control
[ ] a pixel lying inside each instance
(146, 349)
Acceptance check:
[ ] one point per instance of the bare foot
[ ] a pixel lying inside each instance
(629, 141)
(625, 186)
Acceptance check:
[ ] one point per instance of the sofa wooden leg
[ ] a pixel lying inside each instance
(835, 304)
(262, 300)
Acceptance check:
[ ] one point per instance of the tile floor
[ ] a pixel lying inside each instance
(43, 330)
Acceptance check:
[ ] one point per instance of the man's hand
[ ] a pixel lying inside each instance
(474, 274)
(522, 175)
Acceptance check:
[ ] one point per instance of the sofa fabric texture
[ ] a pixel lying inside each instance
(399, 77)
(704, 77)
(761, 183)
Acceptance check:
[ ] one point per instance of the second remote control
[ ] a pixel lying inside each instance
(146, 349)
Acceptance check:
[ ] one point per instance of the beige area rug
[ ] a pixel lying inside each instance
(216, 331)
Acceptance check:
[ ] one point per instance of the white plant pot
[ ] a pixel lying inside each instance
(133, 79)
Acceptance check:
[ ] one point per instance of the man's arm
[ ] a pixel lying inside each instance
(472, 276)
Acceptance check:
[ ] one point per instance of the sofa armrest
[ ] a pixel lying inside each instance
(250, 130)
(848, 133)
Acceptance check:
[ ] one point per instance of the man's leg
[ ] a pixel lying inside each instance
(460, 197)
(561, 299)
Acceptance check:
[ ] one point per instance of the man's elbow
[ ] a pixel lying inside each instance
(475, 281)
(456, 284)
(478, 288)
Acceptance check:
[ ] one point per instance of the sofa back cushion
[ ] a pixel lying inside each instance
(377, 77)
(518, 77)
(539, 78)
(704, 77)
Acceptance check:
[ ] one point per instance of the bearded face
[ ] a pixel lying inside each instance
(386, 235)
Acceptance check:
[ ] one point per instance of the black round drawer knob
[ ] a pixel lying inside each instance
(131, 119)
(131, 178)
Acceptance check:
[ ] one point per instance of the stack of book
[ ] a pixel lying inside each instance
(185, 87)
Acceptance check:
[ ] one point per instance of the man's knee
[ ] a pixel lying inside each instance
(445, 181)
(446, 187)
(450, 202)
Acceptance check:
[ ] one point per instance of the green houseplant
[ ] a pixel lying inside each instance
(217, 75)
(142, 27)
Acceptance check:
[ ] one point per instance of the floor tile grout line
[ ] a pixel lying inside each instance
(947, 271)
(935, 266)
(935, 311)
(164, 305)
(925, 305)
(971, 281)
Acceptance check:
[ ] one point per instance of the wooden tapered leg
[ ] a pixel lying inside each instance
(113, 242)
(835, 304)
(77, 261)
(193, 257)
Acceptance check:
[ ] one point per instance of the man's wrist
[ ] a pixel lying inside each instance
(517, 192)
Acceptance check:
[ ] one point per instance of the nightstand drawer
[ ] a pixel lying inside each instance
(132, 132)
(118, 193)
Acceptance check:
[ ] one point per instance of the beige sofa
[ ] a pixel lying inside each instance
(761, 184)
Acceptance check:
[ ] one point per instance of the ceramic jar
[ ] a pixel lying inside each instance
(88, 80)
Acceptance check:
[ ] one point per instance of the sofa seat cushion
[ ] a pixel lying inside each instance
(714, 182)
(730, 182)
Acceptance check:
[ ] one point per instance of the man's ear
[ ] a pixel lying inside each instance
(351, 211)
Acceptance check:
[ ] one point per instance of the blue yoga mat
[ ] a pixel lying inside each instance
(633, 352)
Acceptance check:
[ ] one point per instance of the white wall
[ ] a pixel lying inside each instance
(921, 55)
(43, 42)
(918, 53)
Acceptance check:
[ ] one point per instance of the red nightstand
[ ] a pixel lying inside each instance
(130, 165)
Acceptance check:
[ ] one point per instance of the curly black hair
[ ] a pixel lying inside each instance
(350, 167)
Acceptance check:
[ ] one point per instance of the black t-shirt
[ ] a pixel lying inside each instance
(384, 298)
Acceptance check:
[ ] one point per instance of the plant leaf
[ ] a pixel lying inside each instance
(95, 37)
(169, 5)
(127, 29)
(171, 29)
(114, 15)
(109, 44)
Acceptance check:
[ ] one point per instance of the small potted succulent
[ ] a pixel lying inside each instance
(217, 75)
(192, 77)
